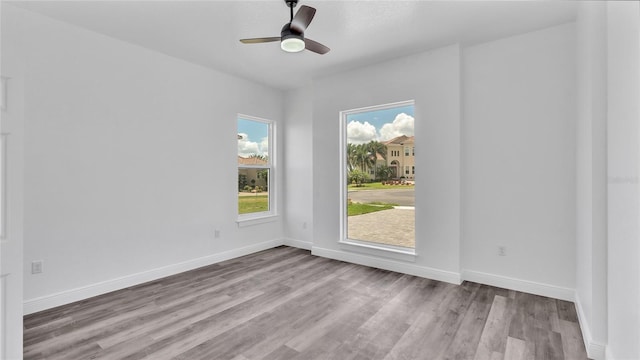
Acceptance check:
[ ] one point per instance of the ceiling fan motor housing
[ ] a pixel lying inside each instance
(291, 40)
(288, 32)
(291, 3)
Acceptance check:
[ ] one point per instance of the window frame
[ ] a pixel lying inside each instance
(272, 181)
(356, 245)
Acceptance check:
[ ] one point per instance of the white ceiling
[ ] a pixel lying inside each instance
(359, 33)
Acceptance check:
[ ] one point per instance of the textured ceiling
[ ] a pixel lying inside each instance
(359, 33)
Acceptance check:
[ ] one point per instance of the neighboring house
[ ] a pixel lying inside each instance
(251, 173)
(401, 156)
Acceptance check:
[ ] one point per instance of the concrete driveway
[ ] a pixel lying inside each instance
(391, 227)
(403, 197)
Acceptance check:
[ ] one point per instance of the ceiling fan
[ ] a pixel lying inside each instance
(292, 35)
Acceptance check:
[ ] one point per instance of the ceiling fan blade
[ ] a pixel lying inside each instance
(260, 40)
(303, 18)
(315, 46)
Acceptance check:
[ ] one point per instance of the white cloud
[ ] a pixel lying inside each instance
(264, 146)
(401, 125)
(359, 133)
(246, 147)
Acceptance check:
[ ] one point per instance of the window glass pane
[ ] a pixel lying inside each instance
(380, 175)
(253, 142)
(253, 190)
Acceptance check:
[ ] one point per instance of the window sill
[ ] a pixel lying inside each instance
(381, 250)
(256, 220)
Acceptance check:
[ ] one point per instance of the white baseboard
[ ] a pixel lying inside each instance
(531, 287)
(595, 350)
(388, 264)
(301, 244)
(68, 296)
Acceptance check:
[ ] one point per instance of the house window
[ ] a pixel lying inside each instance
(377, 209)
(413, 170)
(255, 167)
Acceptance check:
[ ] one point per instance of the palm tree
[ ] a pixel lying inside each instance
(352, 161)
(384, 172)
(258, 156)
(376, 148)
(363, 157)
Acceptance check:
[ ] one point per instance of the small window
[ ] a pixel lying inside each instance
(413, 170)
(406, 170)
(255, 166)
(406, 151)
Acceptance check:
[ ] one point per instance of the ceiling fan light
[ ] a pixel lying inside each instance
(292, 44)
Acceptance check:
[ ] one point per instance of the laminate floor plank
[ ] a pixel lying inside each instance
(286, 304)
(515, 349)
(572, 342)
(496, 329)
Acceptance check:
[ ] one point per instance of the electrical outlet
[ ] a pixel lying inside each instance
(216, 233)
(502, 251)
(36, 267)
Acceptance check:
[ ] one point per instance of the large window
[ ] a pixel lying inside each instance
(255, 167)
(379, 176)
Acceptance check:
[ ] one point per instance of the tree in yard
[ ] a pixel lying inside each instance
(242, 181)
(375, 148)
(384, 172)
(264, 175)
(258, 156)
(364, 157)
(358, 177)
(352, 161)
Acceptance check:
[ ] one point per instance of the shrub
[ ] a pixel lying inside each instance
(242, 181)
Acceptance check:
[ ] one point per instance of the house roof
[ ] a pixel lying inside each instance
(400, 140)
(251, 161)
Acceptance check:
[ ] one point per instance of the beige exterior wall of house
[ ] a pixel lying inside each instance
(251, 172)
(401, 156)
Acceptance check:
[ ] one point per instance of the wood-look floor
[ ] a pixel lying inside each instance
(285, 303)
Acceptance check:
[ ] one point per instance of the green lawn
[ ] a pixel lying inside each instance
(378, 186)
(359, 209)
(251, 204)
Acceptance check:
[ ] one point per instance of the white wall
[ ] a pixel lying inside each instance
(432, 80)
(623, 146)
(519, 161)
(298, 182)
(591, 176)
(130, 161)
(11, 153)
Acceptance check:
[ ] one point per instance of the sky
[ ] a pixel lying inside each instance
(255, 137)
(362, 127)
(380, 125)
